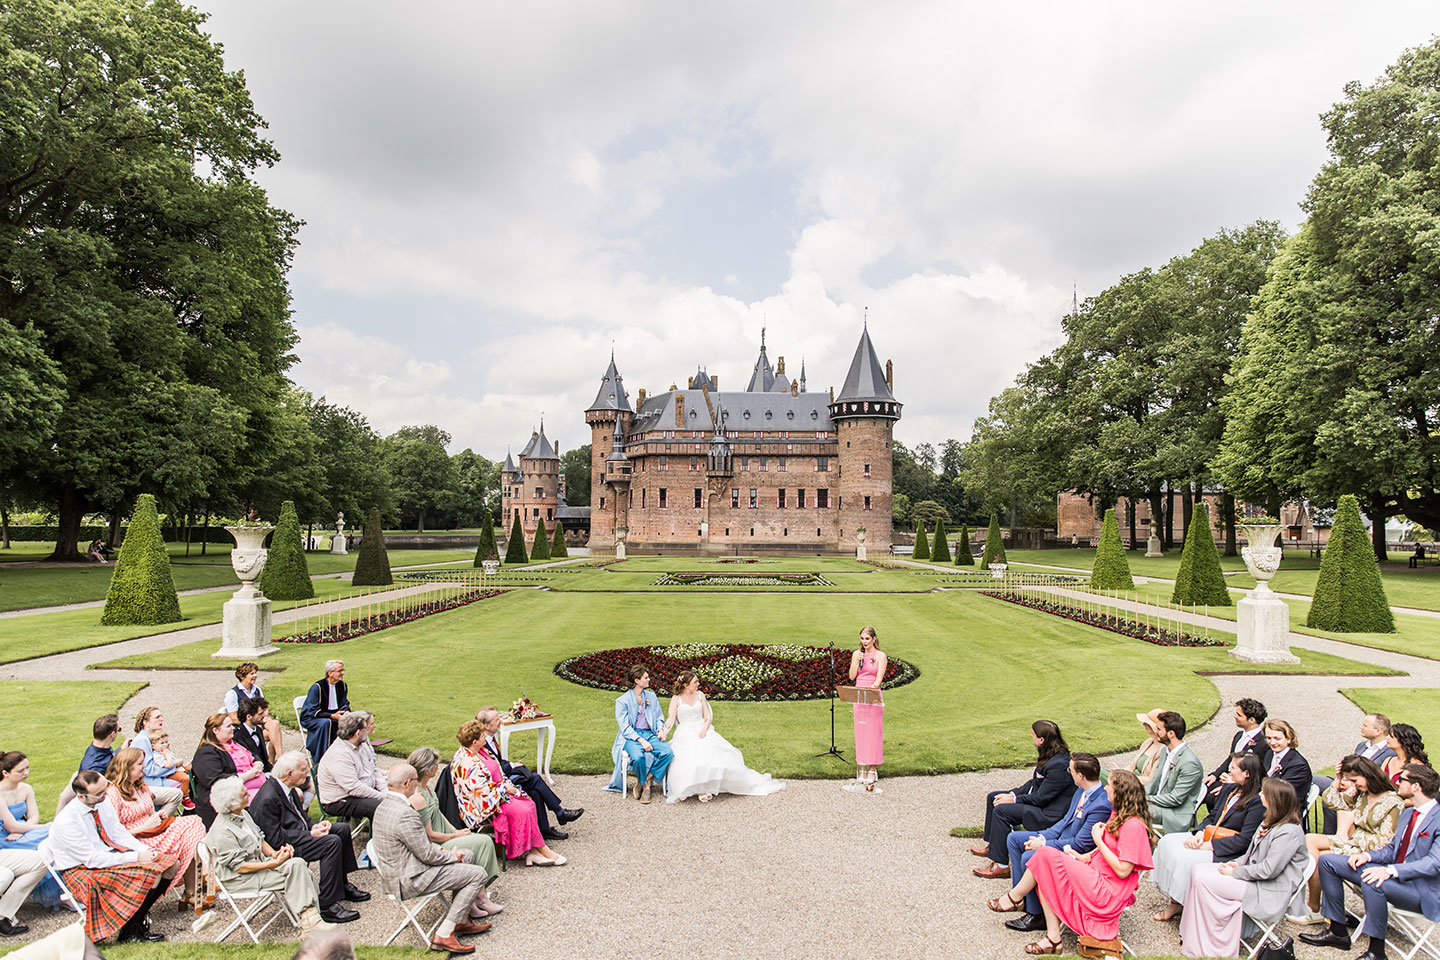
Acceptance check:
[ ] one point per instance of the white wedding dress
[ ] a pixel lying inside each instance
(709, 764)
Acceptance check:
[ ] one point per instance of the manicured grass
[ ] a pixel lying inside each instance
(640, 574)
(824, 565)
(45, 721)
(425, 678)
(1419, 708)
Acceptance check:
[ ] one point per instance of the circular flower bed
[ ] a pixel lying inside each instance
(742, 580)
(729, 671)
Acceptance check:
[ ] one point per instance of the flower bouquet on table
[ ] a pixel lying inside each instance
(524, 709)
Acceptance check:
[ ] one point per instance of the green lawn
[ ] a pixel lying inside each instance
(484, 653)
(37, 719)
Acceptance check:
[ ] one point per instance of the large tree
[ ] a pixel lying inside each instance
(134, 244)
(575, 465)
(350, 457)
(422, 475)
(477, 480)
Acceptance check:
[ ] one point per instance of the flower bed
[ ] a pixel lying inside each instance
(729, 671)
(977, 579)
(1115, 623)
(742, 580)
(738, 560)
(388, 618)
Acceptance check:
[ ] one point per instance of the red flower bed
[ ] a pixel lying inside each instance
(390, 618)
(1121, 625)
(797, 679)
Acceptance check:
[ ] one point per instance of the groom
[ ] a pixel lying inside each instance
(637, 713)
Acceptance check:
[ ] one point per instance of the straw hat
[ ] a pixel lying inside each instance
(1151, 720)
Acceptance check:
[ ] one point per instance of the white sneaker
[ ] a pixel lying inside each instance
(1307, 918)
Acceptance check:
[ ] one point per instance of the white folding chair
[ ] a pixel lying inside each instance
(1310, 798)
(299, 702)
(255, 903)
(1417, 928)
(412, 913)
(625, 777)
(1267, 930)
(66, 897)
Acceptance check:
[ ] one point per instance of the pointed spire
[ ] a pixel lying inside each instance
(611, 395)
(802, 373)
(866, 379)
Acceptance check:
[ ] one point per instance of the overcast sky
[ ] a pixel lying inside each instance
(496, 193)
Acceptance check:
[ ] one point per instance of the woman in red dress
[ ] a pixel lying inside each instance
(134, 804)
(1088, 892)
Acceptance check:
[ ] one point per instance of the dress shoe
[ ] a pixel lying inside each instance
(338, 914)
(554, 834)
(1027, 923)
(140, 935)
(1370, 955)
(1326, 939)
(450, 944)
(981, 851)
(564, 816)
(992, 872)
(9, 928)
(354, 894)
(471, 926)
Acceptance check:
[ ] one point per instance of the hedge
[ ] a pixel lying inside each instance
(1349, 596)
(1112, 569)
(994, 545)
(1200, 580)
(557, 545)
(922, 542)
(515, 548)
(28, 533)
(963, 556)
(940, 552)
(486, 549)
(141, 588)
(372, 566)
(286, 575)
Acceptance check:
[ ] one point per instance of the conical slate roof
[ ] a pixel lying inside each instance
(509, 464)
(764, 376)
(866, 379)
(611, 395)
(539, 447)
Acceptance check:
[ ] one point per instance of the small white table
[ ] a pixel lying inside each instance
(544, 728)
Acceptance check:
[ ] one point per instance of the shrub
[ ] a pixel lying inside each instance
(372, 566)
(557, 544)
(940, 552)
(515, 548)
(286, 575)
(1112, 568)
(141, 588)
(540, 549)
(1349, 596)
(922, 542)
(963, 556)
(486, 550)
(994, 545)
(1200, 580)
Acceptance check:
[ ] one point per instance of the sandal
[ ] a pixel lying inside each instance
(1051, 947)
(994, 904)
(706, 797)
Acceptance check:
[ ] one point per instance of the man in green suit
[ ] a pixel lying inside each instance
(1177, 786)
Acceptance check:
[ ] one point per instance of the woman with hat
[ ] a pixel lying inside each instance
(1152, 749)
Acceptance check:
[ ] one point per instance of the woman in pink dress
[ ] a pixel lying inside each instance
(483, 793)
(247, 768)
(1088, 892)
(867, 669)
(134, 804)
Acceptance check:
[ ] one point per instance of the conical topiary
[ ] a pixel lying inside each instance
(994, 545)
(286, 575)
(1200, 580)
(940, 552)
(922, 542)
(963, 556)
(515, 548)
(557, 543)
(372, 566)
(1112, 568)
(1349, 595)
(141, 588)
(540, 549)
(486, 550)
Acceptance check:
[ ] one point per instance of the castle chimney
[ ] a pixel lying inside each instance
(690, 383)
(890, 375)
(640, 397)
(795, 388)
(715, 384)
(780, 367)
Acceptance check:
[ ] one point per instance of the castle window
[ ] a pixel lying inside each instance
(734, 500)
(822, 498)
(817, 531)
(752, 531)
(694, 463)
(781, 462)
(642, 497)
(662, 498)
(539, 491)
(665, 461)
(549, 514)
(602, 503)
(763, 462)
(822, 464)
(769, 414)
(754, 500)
(867, 469)
(780, 501)
(727, 531)
(697, 498)
(787, 531)
(747, 414)
(744, 463)
(800, 498)
(867, 503)
(814, 414)
(790, 415)
(537, 513)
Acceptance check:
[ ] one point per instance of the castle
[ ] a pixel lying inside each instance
(771, 467)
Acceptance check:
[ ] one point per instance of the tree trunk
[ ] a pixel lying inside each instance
(112, 532)
(1169, 515)
(205, 531)
(70, 513)
(1227, 506)
(1130, 511)
(1187, 506)
(309, 536)
(187, 533)
(1014, 514)
(420, 521)
(1377, 528)
(4, 526)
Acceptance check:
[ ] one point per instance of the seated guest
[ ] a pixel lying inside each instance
(101, 749)
(412, 866)
(485, 796)
(1072, 833)
(1368, 809)
(279, 811)
(245, 863)
(1405, 872)
(168, 780)
(21, 872)
(1038, 803)
(250, 729)
(1223, 835)
(248, 689)
(534, 785)
(350, 784)
(1249, 715)
(1088, 892)
(174, 837)
(21, 833)
(327, 700)
(1373, 745)
(1175, 792)
(1260, 883)
(213, 761)
(426, 761)
(1404, 741)
(1152, 749)
(1286, 761)
(639, 722)
(113, 876)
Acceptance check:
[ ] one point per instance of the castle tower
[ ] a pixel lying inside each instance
(609, 418)
(864, 413)
(509, 490)
(538, 489)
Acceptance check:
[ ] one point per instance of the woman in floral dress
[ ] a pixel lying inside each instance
(484, 794)
(130, 795)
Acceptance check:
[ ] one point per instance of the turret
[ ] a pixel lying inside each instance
(609, 417)
(864, 413)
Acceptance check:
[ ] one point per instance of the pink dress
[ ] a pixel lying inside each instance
(479, 783)
(869, 718)
(179, 839)
(1089, 897)
(244, 760)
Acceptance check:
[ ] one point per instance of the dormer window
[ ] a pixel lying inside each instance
(790, 415)
(768, 414)
(814, 414)
(747, 414)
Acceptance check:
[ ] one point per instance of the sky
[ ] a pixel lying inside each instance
(498, 195)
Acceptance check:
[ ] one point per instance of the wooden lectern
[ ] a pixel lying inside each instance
(865, 695)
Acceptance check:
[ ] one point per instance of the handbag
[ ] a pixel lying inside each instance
(154, 831)
(1090, 947)
(1213, 832)
(1284, 950)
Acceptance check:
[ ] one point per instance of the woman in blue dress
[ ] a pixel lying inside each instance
(20, 826)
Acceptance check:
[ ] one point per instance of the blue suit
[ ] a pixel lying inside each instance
(654, 762)
(1073, 829)
(1415, 886)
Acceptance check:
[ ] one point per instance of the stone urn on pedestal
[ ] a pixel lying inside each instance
(247, 616)
(338, 543)
(1263, 619)
(1153, 547)
(860, 544)
(620, 533)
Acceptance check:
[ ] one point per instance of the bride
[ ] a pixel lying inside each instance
(705, 763)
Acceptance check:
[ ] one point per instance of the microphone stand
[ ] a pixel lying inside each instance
(833, 751)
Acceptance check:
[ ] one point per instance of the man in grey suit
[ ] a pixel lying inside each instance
(412, 866)
(1175, 791)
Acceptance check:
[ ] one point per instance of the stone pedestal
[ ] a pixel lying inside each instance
(247, 627)
(1263, 634)
(620, 550)
(337, 544)
(1153, 547)
(860, 552)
